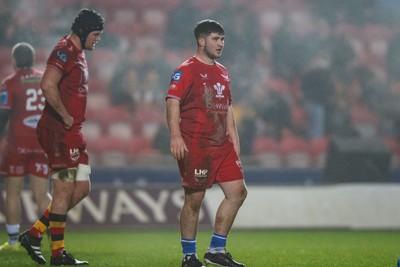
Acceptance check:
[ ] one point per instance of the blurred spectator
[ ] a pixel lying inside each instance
(124, 78)
(137, 80)
(275, 112)
(179, 36)
(244, 45)
(6, 21)
(393, 59)
(317, 87)
(15, 30)
(364, 117)
(343, 58)
(291, 53)
(356, 12)
(339, 110)
(342, 65)
(390, 110)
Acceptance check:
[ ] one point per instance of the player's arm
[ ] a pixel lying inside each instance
(177, 145)
(49, 85)
(232, 129)
(4, 116)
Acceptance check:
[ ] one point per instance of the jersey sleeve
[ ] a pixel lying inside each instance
(181, 81)
(61, 60)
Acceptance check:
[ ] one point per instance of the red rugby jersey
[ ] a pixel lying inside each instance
(21, 93)
(204, 95)
(67, 59)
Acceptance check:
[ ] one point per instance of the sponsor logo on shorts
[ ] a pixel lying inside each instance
(239, 163)
(74, 154)
(200, 175)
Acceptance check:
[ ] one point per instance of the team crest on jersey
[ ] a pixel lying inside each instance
(176, 76)
(62, 56)
(219, 88)
(3, 97)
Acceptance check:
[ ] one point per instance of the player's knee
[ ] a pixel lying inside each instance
(85, 190)
(243, 193)
(240, 195)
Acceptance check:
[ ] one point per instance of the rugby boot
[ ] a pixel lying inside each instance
(191, 261)
(65, 259)
(221, 259)
(32, 246)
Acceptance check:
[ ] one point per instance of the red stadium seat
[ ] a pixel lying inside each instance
(92, 129)
(318, 151)
(295, 152)
(154, 20)
(110, 152)
(267, 152)
(98, 103)
(393, 144)
(364, 121)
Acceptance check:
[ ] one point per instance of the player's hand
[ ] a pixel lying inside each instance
(68, 122)
(178, 148)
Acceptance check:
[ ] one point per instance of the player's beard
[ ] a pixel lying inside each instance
(212, 55)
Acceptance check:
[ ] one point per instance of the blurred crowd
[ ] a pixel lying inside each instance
(302, 71)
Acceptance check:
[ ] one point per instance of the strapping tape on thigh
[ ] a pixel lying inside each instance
(66, 175)
(83, 172)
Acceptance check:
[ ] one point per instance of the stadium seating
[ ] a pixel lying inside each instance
(137, 23)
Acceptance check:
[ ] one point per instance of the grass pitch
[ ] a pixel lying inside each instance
(254, 248)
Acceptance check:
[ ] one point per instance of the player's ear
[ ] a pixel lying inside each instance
(201, 41)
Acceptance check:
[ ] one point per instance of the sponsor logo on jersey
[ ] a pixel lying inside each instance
(226, 77)
(222, 107)
(30, 78)
(176, 76)
(62, 56)
(219, 88)
(32, 121)
(204, 76)
(3, 97)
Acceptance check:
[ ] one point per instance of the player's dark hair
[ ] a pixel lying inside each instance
(206, 27)
(87, 21)
(23, 54)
